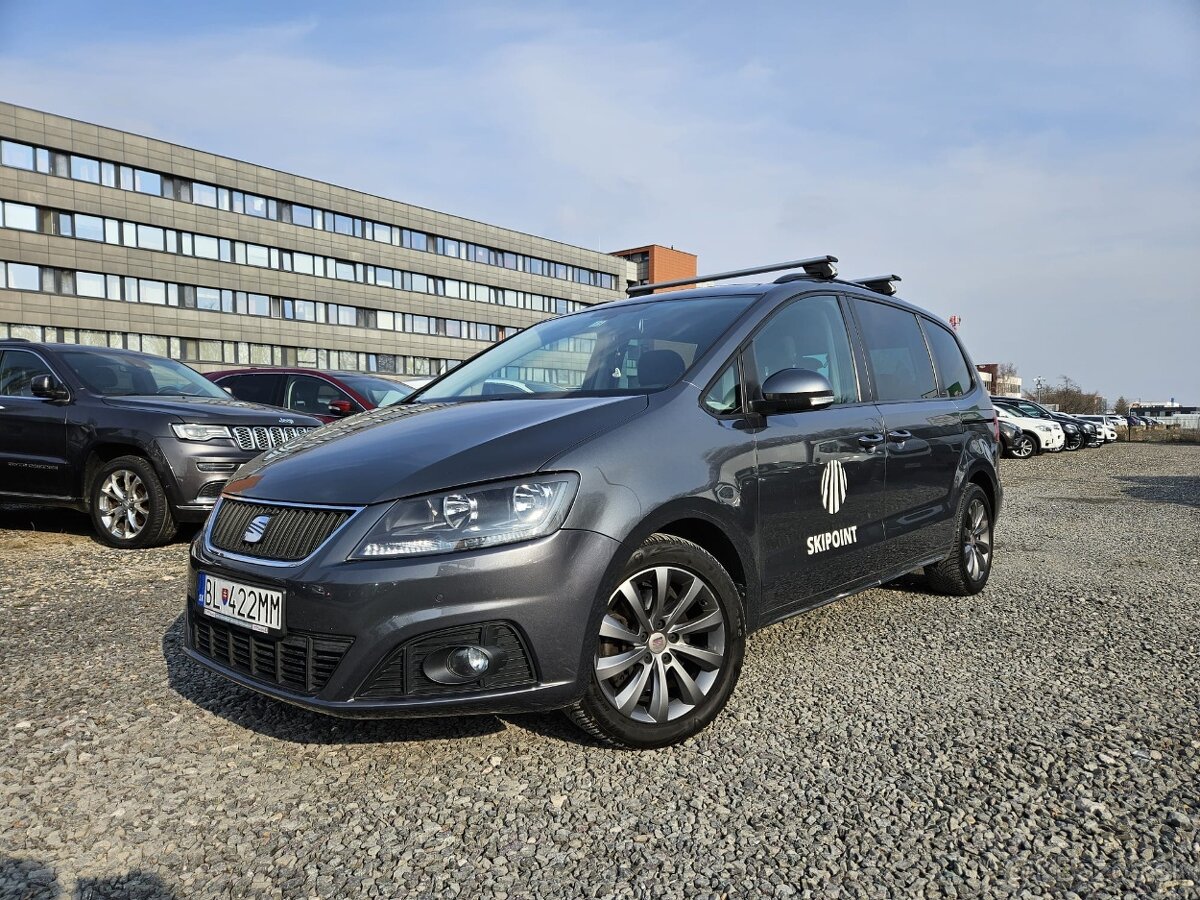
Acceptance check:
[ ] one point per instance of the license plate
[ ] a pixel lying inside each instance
(252, 607)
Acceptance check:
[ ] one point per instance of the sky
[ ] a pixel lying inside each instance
(1033, 168)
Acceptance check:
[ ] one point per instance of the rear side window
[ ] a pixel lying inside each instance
(952, 367)
(896, 348)
(253, 388)
(312, 396)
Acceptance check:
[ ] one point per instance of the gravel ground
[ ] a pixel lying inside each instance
(1040, 739)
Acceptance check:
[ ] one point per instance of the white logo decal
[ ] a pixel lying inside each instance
(840, 537)
(256, 529)
(833, 486)
(283, 421)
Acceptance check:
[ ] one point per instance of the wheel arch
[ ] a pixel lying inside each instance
(105, 451)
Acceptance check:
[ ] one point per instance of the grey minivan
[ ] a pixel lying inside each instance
(593, 514)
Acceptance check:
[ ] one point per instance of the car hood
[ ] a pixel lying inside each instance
(214, 410)
(400, 451)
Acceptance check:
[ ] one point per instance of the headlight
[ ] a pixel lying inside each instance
(200, 432)
(1043, 428)
(470, 518)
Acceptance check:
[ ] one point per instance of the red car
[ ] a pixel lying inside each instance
(325, 395)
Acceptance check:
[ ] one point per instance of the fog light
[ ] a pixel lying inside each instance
(468, 662)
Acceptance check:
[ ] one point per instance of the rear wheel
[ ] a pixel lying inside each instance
(966, 570)
(669, 648)
(1024, 447)
(129, 507)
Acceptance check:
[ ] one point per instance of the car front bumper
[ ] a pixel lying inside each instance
(544, 591)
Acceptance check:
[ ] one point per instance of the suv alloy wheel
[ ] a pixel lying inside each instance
(129, 506)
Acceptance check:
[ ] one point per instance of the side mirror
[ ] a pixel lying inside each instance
(340, 408)
(48, 388)
(794, 390)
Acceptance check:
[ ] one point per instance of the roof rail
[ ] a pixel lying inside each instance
(818, 267)
(880, 284)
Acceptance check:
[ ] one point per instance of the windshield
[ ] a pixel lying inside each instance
(380, 391)
(614, 349)
(1028, 409)
(112, 374)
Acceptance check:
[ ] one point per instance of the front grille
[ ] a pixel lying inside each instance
(291, 532)
(402, 673)
(259, 437)
(301, 661)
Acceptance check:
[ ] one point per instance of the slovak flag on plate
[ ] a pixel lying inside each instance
(224, 596)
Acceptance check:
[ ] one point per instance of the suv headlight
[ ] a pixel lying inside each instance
(1046, 428)
(200, 432)
(486, 515)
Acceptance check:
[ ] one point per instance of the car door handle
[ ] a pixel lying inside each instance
(900, 435)
(870, 441)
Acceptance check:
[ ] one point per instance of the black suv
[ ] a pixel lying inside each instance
(139, 441)
(695, 465)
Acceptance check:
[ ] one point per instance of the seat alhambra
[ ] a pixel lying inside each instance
(593, 514)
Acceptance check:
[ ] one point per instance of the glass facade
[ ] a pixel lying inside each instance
(240, 353)
(185, 243)
(54, 162)
(71, 282)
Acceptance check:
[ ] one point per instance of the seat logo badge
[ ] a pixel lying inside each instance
(256, 529)
(833, 486)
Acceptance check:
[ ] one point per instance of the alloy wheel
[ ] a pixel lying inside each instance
(1023, 449)
(662, 645)
(124, 504)
(977, 540)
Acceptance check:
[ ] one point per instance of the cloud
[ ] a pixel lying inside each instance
(1034, 174)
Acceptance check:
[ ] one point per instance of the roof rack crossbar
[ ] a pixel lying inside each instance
(818, 267)
(880, 284)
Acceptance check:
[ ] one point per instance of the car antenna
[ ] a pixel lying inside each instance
(817, 267)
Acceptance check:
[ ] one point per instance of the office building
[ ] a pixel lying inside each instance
(114, 239)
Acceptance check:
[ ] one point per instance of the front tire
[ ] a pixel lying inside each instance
(669, 648)
(965, 571)
(1024, 448)
(129, 507)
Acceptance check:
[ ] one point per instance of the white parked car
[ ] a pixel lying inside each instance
(1106, 427)
(1041, 434)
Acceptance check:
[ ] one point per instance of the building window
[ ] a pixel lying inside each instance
(20, 216)
(24, 278)
(150, 238)
(256, 206)
(204, 194)
(84, 169)
(19, 156)
(147, 182)
(89, 284)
